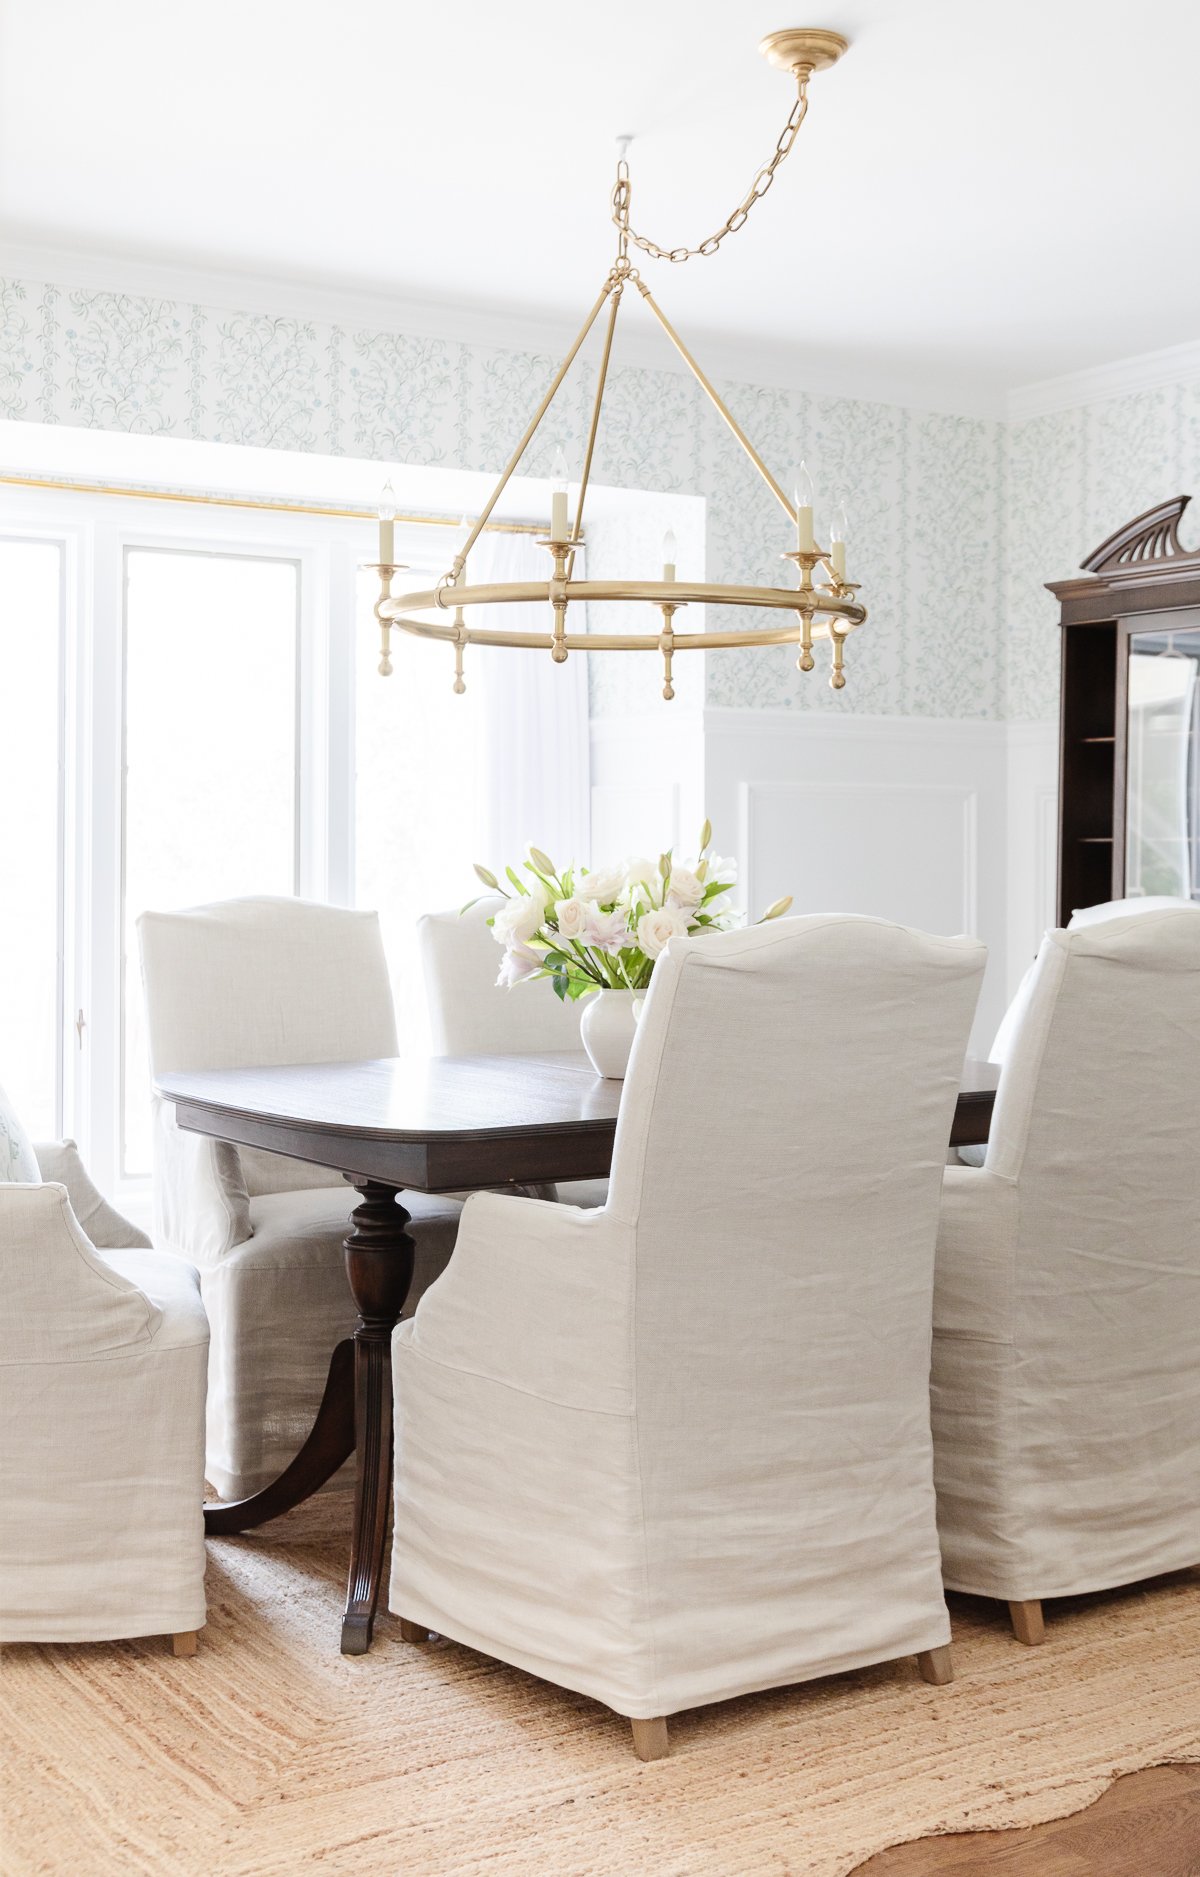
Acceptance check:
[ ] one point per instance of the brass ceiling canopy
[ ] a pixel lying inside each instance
(826, 609)
(803, 49)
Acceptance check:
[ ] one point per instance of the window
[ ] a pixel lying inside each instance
(31, 616)
(189, 710)
(418, 799)
(211, 796)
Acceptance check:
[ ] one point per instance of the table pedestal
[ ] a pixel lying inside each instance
(355, 1415)
(379, 1264)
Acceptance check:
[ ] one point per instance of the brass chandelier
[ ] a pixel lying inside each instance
(825, 609)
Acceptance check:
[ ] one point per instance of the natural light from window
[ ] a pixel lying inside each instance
(210, 746)
(30, 634)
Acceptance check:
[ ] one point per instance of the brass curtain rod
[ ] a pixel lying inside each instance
(259, 502)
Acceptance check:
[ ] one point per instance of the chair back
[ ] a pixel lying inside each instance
(249, 982)
(1095, 1121)
(469, 1013)
(779, 1155)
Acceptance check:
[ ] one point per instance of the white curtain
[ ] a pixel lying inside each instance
(536, 770)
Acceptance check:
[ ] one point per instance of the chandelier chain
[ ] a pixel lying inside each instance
(757, 190)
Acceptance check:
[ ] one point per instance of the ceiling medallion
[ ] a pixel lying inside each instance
(826, 609)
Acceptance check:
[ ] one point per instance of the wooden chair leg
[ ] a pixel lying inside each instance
(1029, 1625)
(936, 1665)
(413, 1632)
(650, 1739)
(184, 1642)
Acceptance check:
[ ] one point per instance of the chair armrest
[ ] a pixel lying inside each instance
(60, 1161)
(201, 1206)
(62, 1301)
(976, 1256)
(538, 1296)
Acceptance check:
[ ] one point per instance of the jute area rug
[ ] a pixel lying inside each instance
(270, 1753)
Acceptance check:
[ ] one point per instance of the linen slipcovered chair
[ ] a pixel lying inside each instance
(239, 985)
(471, 1015)
(1066, 1381)
(1014, 1016)
(103, 1351)
(678, 1448)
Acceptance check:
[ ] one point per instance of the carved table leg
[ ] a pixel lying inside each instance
(328, 1447)
(379, 1264)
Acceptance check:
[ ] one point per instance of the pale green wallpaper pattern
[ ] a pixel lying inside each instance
(923, 491)
(956, 521)
(1072, 478)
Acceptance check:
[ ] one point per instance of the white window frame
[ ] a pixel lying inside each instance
(95, 534)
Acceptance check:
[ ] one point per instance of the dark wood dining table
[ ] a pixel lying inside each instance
(430, 1125)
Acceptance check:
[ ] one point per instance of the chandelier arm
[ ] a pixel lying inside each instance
(460, 559)
(594, 426)
(707, 385)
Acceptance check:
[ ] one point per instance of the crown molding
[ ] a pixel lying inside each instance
(1145, 371)
(724, 356)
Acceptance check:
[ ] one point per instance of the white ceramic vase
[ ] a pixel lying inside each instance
(608, 1027)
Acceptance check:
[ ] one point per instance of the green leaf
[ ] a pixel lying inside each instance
(472, 902)
(517, 882)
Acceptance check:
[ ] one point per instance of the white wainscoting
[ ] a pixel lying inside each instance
(1032, 840)
(905, 817)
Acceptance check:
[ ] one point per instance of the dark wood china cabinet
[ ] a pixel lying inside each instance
(1129, 737)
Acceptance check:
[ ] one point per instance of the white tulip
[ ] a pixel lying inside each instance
(641, 872)
(656, 929)
(602, 886)
(519, 918)
(572, 916)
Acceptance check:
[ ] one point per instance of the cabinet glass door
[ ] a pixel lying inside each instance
(1162, 788)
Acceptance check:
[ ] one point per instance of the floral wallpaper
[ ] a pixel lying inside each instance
(956, 522)
(1072, 478)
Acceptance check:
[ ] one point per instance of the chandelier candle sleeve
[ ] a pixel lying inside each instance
(560, 527)
(387, 525)
(668, 552)
(838, 530)
(803, 494)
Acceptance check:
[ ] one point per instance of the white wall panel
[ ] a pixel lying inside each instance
(904, 818)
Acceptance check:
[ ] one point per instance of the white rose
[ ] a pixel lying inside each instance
(602, 886)
(655, 929)
(518, 962)
(519, 918)
(683, 888)
(572, 917)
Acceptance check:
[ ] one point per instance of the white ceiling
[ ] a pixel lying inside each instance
(983, 195)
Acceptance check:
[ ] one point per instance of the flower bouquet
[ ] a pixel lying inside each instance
(602, 929)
